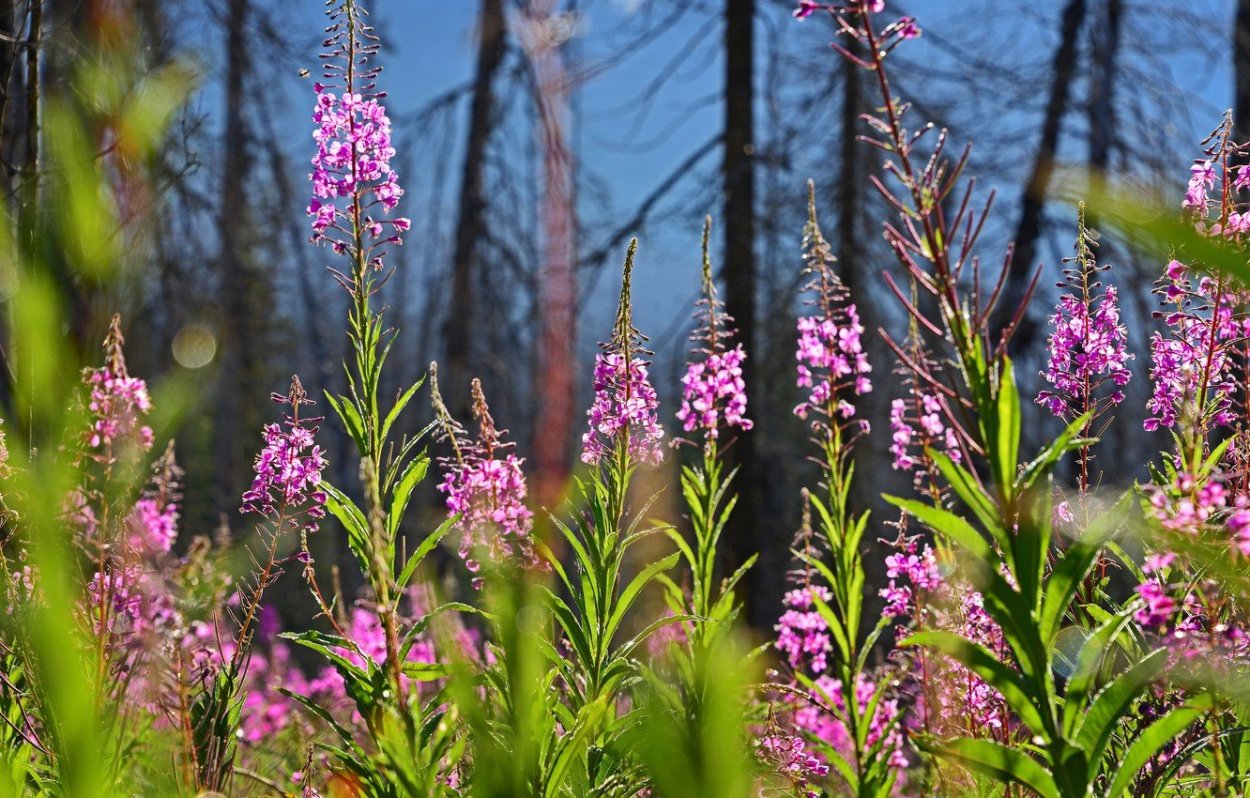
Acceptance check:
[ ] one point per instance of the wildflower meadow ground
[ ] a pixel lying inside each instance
(1042, 627)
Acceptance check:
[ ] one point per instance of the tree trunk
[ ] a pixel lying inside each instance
(849, 197)
(1105, 53)
(1033, 202)
(11, 27)
(469, 226)
(557, 290)
(738, 176)
(232, 266)
(1241, 69)
(30, 156)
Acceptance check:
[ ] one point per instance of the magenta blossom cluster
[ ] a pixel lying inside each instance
(808, 7)
(1188, 504)
(625, 407)
(1196, 355)
(909, 571)
(288, 472)
(1201, 180)
(488, 495)
(1086, 347)
(153, 526)
(788, 756)
(973, 697)
(831, 363)
(484, 488)
(1239, 524)
(828, 727)
(1157, 606)
(802, 634)
(117, 404)
(928, 430)
(352, 169)
(112, 598)
(714, 394)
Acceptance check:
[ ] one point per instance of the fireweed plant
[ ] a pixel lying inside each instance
(1033, 640)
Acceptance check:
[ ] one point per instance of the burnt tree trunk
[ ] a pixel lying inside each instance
(30, 160)
(232, 272)
(739, 272)
(472, 212)
(1241, 69)
(1105, 56)
(1033, 202)
(849, 197)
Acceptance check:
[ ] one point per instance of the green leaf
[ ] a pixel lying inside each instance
(323, 714)
(1007, 447)
(947, 523)
(1073, 566)
(422, 551)
(354, 523)
(425, 671)
(412, 475)
(964, 483)
(400, 403)
(1149, 743)
(1031, 543)
(572, 745)
(1049, 456)
(350, 417)
(630, 594)
(998, 762)
(1114, 702)
(1091, 655)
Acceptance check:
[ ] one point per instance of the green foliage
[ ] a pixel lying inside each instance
(1030, 588)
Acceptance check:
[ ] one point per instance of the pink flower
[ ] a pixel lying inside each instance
(1196, 353)
(802, 634)
(788, 756)
(117, 401)
(153, 526)
(832, 362)
(807, 8)
(1201, 179)
(929, 431)
(353, 183)
(1159, 606)
(288, 469)
(624, 408)
(715, 393)
(1087, 347)
(1239, 525)
(488, 495)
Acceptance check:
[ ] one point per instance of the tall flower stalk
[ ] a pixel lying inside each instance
(714, 404)
(355, 190)
(833, 697)
(1086, 348)
(623, 427)
(598, 593)
(484, 487)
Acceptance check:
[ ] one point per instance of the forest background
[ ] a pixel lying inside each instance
(535, 137)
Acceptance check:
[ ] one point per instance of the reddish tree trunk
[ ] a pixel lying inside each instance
(557, 291)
